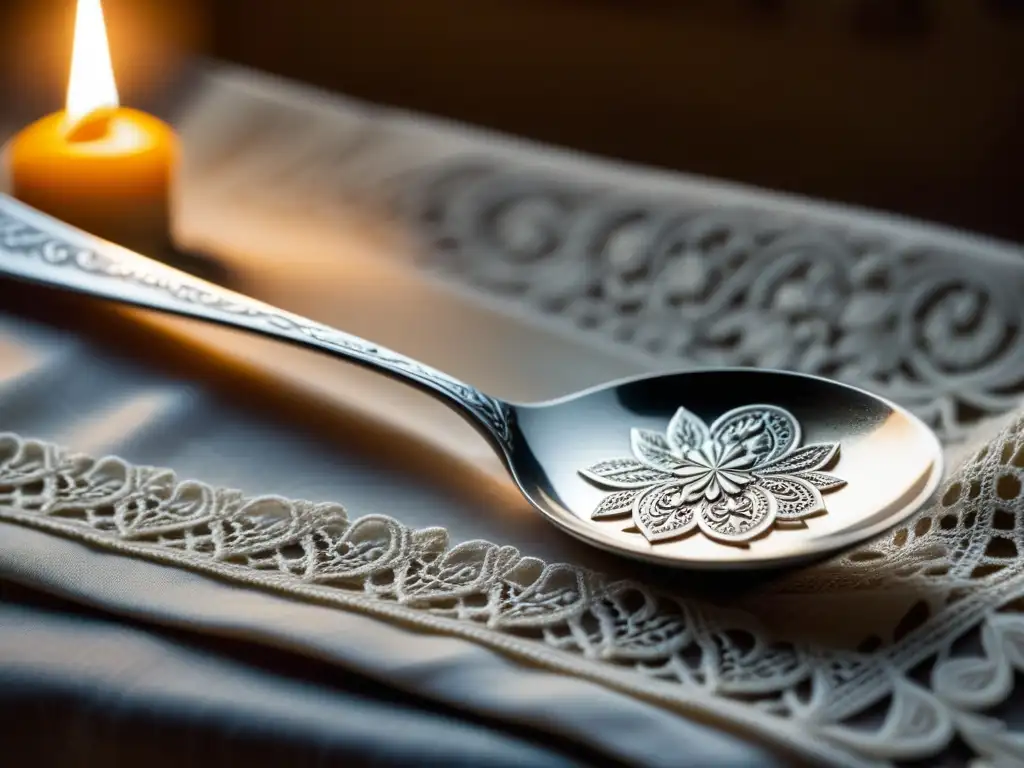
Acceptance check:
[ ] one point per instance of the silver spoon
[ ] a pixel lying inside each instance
(726, 468)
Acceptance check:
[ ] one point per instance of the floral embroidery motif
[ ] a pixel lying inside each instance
(732, 480)
(700, 277)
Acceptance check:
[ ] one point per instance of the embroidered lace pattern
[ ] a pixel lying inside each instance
(902, 650)
(695, 280)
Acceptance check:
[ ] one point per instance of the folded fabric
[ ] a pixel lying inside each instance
(78, 687)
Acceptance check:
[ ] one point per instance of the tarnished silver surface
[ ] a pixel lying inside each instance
(737, 479)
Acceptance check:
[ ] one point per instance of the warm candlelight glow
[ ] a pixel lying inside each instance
(101, 167)
(91, 87)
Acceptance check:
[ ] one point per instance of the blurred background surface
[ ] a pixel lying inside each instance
(911, 106)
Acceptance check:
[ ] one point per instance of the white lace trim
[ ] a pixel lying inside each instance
(696, 279)
(800, 661)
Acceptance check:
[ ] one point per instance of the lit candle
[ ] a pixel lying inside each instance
(97, 165)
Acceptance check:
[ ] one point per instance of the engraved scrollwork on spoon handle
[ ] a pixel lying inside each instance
(40, 249)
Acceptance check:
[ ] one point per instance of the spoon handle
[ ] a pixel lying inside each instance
(40, 249)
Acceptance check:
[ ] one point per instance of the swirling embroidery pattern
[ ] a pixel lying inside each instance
(941, 332)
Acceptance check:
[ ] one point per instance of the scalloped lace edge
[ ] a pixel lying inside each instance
(678, 652)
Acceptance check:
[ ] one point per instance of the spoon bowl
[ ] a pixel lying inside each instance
(723, 468)
(885, 463)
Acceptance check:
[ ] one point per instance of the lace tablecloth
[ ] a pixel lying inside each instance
(903, 651)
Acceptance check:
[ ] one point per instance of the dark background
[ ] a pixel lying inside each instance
(913, 106)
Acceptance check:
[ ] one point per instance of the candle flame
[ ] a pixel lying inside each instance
(91, 87)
